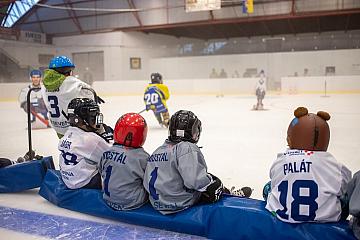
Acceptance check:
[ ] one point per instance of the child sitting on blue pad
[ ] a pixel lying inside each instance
(176, 175)
(122, 166)
(307, 183)
(82, 145)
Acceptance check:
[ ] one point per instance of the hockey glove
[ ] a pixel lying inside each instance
(355, 226)
(24, 106)
(108, 133)
(213, 191)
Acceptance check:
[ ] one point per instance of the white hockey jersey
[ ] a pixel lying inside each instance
(306, 186)
(57, 101)
(80, 154)
(261, 85)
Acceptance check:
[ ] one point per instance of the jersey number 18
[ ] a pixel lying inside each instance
(299, 200)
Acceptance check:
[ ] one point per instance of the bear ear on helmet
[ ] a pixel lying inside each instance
(309, 131)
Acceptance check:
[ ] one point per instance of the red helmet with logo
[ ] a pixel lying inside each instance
(130, 130)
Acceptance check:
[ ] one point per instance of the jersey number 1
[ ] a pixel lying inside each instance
(152, 189)
(299, 200)
(106, 180)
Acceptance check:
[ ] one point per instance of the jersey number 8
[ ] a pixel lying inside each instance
(299, 200)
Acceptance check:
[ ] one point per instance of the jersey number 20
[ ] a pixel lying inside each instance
(151, 98)
(299, 200)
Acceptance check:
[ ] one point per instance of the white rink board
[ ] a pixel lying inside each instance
(334, 84)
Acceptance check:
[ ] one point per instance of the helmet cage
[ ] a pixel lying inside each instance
(87, 114)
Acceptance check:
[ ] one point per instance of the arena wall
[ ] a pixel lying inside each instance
(218, 86)
(330, 84)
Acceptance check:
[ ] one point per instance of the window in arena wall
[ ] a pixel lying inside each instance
(213, 47)
(186, 48)
(330, 71)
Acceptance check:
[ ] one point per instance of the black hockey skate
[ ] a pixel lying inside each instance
(244, 192)
(28, 157)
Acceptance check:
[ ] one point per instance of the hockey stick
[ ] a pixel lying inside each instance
(142, 111)
(97, 99)
(29, 122)
(38, 116)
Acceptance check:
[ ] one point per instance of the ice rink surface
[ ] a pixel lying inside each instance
(239, 146)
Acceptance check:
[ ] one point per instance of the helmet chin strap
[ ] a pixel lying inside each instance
(128, 139)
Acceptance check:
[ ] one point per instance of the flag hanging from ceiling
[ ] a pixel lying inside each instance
(248, 6)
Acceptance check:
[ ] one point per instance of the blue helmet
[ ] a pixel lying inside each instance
(60, 62)
(35, 72)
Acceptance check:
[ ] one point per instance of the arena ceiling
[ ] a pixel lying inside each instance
(270, 18)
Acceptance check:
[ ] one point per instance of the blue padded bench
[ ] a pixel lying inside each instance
(24, 176)
(230, 218)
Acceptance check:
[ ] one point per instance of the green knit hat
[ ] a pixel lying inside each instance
(53, 80)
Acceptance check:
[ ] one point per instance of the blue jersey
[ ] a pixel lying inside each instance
(154, 99)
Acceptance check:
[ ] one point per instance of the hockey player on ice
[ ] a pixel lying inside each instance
(37, 105)
(260, 91)
(176, 175)
(60, 87)
(83, 145)
(122, 166)
(307, 183)
(155, 96)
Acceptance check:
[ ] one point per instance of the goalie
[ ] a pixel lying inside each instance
(155, 96)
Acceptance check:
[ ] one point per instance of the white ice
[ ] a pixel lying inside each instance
(239, 145)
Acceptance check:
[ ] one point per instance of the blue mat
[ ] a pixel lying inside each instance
(24, 176)
(230, 218)
(65, 228)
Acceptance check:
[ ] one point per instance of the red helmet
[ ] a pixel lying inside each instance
(130, 130)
